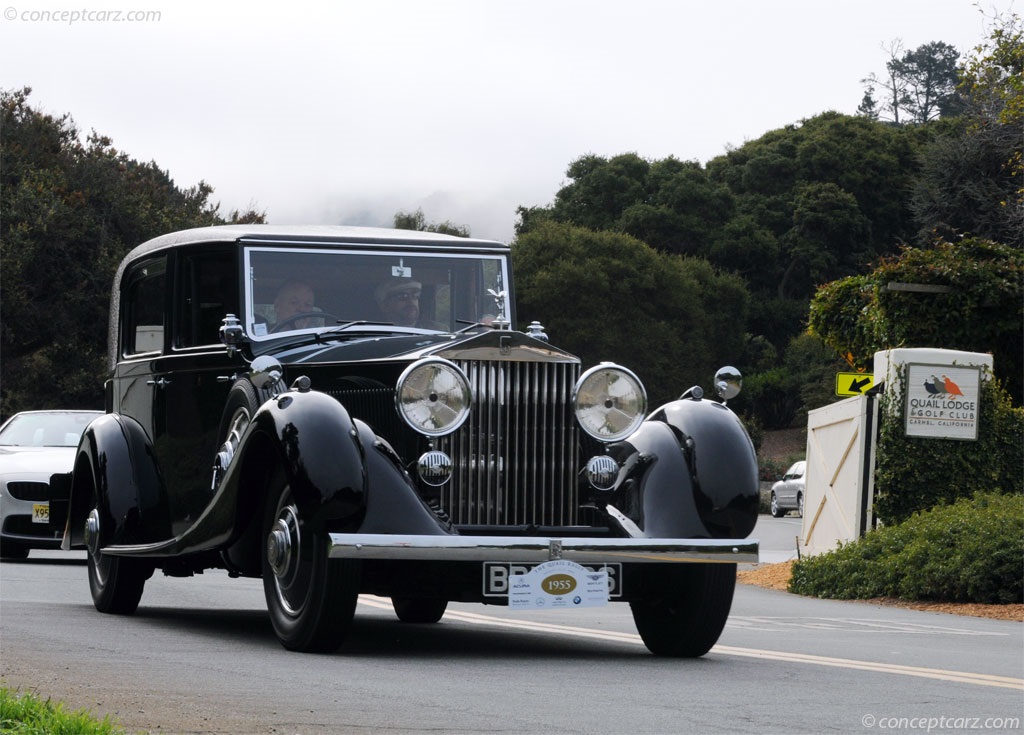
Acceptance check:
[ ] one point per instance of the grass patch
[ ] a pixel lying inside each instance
(26, 714)
(969, 551)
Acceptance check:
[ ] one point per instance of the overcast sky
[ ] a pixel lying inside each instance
(346, 112)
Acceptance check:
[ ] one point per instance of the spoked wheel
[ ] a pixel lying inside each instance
(116, 582)
(311, 599)
(800, 504)
(419, 609)
(686, 615)
(239, 409)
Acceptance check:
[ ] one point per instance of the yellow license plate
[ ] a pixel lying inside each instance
(41, 513)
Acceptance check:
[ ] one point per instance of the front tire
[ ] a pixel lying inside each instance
(311, 599)
(686, 610)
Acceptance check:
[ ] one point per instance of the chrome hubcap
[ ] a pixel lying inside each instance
(92, 532)
(279, 547)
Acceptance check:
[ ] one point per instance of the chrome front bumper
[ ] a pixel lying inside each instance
(541, 549)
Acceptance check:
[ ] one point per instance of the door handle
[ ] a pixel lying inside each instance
(159, 382)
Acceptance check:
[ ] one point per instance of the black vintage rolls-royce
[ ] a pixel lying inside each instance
(345, 411)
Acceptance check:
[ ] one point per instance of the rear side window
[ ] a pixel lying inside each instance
(208, 290)
(144, 294)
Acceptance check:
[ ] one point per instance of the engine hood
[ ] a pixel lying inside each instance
(376, 347)
(39, 460)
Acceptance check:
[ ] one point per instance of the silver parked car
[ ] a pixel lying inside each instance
(788, 493)
(33, 446)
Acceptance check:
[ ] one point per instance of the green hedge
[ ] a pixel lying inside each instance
(915, 473)
(969, 551)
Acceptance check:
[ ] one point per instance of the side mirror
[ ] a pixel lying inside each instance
(728, 382)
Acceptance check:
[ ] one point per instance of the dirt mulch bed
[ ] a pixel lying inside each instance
(776, 577)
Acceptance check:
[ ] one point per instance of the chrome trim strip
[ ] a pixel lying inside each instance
(539, 549)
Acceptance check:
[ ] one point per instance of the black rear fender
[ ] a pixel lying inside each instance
(115, 472)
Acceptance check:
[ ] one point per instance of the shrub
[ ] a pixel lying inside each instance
(770, 470)
(969, 551)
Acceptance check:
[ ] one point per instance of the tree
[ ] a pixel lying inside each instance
(972, 177)
(601, 189)
(418, 221)
(813, 202)
(919, 85)
(71, 211)
(608, 296)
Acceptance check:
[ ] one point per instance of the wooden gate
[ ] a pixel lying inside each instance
(840, 473)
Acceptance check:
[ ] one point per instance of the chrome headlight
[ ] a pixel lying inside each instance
(433, 396)
(610, 402)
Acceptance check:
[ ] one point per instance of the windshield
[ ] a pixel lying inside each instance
(57, 429)
(290, 289)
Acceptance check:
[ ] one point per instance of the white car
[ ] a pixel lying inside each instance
(788, 493)
(33, 446)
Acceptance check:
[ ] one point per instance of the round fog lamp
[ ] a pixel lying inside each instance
(433, 396)
(434, 468)
(610, 402)
(602, 472)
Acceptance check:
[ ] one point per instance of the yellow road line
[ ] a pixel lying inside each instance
(961, 677)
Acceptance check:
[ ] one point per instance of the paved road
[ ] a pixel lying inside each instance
(778, 537)
(200, 657)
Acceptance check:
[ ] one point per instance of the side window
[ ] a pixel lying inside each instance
(142, 316)
(207, 289)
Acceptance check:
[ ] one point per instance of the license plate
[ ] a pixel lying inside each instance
(40, 512)
(497, 573)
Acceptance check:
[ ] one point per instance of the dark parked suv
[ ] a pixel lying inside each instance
(348, 410)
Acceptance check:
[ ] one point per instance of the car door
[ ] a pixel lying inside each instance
(194, 376)
(174, 375)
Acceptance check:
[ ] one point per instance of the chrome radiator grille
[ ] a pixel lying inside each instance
(516, 458)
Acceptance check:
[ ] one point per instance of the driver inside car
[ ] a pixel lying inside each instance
(294, 297)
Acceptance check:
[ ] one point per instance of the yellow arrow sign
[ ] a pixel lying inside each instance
(854, 384)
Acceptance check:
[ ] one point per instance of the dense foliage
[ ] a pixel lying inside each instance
(982, 312)
(799, 206)
(915, 473)
(608, 296)
(71, 210)
(968, 551)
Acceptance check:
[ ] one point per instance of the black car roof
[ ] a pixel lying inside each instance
(314, 235)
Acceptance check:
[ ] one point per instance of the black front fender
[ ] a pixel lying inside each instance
(342, 475)
(691, 472)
